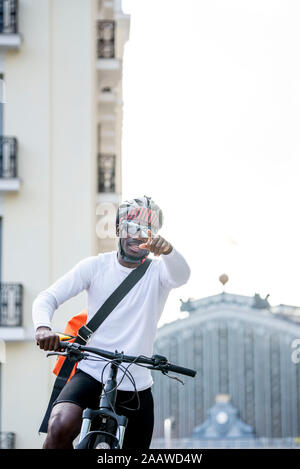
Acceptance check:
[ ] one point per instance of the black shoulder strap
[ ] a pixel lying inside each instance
(87, 330)
(115, 298)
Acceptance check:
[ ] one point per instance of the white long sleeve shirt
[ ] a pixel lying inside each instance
(131, 326)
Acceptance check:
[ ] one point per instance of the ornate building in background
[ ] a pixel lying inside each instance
(241, 347)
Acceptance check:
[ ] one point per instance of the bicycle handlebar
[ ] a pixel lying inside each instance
(181, 370)
(160, 364)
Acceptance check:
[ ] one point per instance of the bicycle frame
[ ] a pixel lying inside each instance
(107, 402)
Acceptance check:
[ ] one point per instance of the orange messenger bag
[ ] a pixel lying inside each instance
(72, 328)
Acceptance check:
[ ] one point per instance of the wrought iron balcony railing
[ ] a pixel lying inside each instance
(106, 172)
(7, 440)
(8, 157)
(9, 16)
(105, 39)
(11, 304)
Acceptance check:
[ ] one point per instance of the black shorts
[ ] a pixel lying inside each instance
(84, 390)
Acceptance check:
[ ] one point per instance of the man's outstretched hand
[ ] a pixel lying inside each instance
(157, 244)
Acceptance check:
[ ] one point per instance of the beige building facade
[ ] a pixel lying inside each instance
(60, 175)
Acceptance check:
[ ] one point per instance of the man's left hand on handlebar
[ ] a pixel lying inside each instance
(157, 244)
(47, 339)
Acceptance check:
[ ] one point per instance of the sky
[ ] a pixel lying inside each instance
(211, 93)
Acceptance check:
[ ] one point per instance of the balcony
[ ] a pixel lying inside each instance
(9, 37)
(105, 39)
(11, 304)
(106, 60)
(7, 440)
(8, 164)
(106, 172)
(11, 312)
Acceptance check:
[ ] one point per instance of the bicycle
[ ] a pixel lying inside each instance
(102, 428)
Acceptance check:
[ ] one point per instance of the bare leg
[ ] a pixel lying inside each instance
(64, 426)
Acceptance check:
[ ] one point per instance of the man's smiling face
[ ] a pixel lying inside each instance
(131, 246)
(130, 243)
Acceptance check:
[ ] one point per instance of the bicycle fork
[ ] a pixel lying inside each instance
(107, 401)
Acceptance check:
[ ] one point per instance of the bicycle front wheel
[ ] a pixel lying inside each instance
(107, 439)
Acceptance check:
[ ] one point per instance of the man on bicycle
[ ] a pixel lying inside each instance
(131, 326)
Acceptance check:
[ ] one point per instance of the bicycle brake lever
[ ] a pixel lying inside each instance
(172, 377)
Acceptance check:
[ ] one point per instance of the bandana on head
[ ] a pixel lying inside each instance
(143, 216)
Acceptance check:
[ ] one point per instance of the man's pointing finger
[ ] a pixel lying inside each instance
(147, 244)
